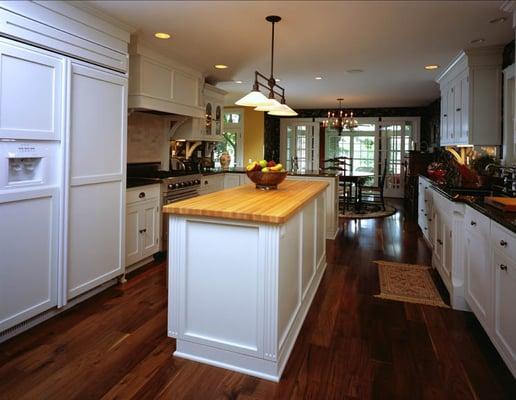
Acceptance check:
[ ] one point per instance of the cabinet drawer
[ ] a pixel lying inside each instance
(477, 222)
(142, 193)
(503, 241)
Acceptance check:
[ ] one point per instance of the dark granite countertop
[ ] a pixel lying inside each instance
(135, 182)
(506, 219)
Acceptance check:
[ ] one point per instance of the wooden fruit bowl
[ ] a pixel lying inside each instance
(266, 180)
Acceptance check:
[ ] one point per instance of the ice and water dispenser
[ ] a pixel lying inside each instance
(27, 164)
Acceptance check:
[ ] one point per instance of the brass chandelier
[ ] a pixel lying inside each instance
(339, 120)
(257, 99)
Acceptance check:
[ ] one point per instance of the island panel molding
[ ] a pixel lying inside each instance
(240, 303)
(246, 203)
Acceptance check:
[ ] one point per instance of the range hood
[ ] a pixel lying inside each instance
(161, 86)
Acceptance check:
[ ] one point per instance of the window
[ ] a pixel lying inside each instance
(232, 139)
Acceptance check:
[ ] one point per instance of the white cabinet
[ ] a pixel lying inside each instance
(212, 183)
(28, 255)
(478, 266)
(62, 27)
(161, 84)
(425, 210)
(142, 224)
(31, 92)
(504, 269)
(231, 180)
(97, 110)
(214, 107)
(471, 98)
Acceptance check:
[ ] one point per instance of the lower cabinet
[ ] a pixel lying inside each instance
(142, 224)
(231, 180)
(212, 183)
(504, 299)
(478, 271)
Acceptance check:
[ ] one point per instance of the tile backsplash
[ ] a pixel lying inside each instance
(147, 138)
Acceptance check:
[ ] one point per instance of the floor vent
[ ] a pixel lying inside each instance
(23, 326)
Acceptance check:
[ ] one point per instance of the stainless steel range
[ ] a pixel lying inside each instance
(175, 186)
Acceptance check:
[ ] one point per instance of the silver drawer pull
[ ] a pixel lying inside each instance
(503, 243)
(503, 267)
(143, 230)
(439, 241)
(141, 195)
(472, 223)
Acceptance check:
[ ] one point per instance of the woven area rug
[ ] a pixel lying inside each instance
(370, 212)
(408, 282)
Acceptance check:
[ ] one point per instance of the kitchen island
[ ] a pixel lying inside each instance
(244, 266)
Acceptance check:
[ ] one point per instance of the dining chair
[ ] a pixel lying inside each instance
(374, 195)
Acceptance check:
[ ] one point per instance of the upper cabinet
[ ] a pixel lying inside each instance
(67, 28)
(214, 107)
(160, 84)
(209, 127)
(471, 98)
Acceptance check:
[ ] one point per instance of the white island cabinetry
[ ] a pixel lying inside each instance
(240, 302)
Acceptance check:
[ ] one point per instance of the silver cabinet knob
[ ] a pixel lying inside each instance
(503, 243)
(503, 267)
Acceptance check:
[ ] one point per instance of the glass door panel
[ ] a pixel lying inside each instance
(301, 146)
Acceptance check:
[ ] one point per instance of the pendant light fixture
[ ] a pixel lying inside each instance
(340, 120)
(269, 103)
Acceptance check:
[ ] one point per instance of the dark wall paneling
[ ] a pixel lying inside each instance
(271, 138)
(508, 55)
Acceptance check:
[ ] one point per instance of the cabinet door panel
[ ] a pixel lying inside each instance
(504, 301)
(478, 276)
(457, 111)
(444, 115)
(451, 114)
(95, 237)
(448, 247)
(30, 80)
(132, 235)
(28, 257)
(97, 120)
(464, 130)
(150, 233)
(96, 201)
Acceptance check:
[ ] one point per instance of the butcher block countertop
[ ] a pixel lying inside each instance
(246, 203)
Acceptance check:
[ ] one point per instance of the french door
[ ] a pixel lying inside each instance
(397, 138)
(300, 143)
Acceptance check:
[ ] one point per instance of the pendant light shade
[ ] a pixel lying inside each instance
(253, 99)
(257, 99)
(284, 111)
(273, 105)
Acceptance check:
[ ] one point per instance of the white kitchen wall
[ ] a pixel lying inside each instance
(147, 138)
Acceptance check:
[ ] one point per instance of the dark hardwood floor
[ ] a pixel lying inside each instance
(352, 345)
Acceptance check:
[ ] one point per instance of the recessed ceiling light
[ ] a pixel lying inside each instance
(354, 71)
(318, 78)
(238, 81)
(431, 67)
(477, 41)
(220, 66)
(162, 35)
(497, 20)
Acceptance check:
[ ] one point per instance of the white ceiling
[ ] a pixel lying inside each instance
(390, 40)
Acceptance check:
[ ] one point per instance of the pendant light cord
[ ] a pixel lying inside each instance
(272, 52)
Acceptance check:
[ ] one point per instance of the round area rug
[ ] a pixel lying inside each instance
(369, 212)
